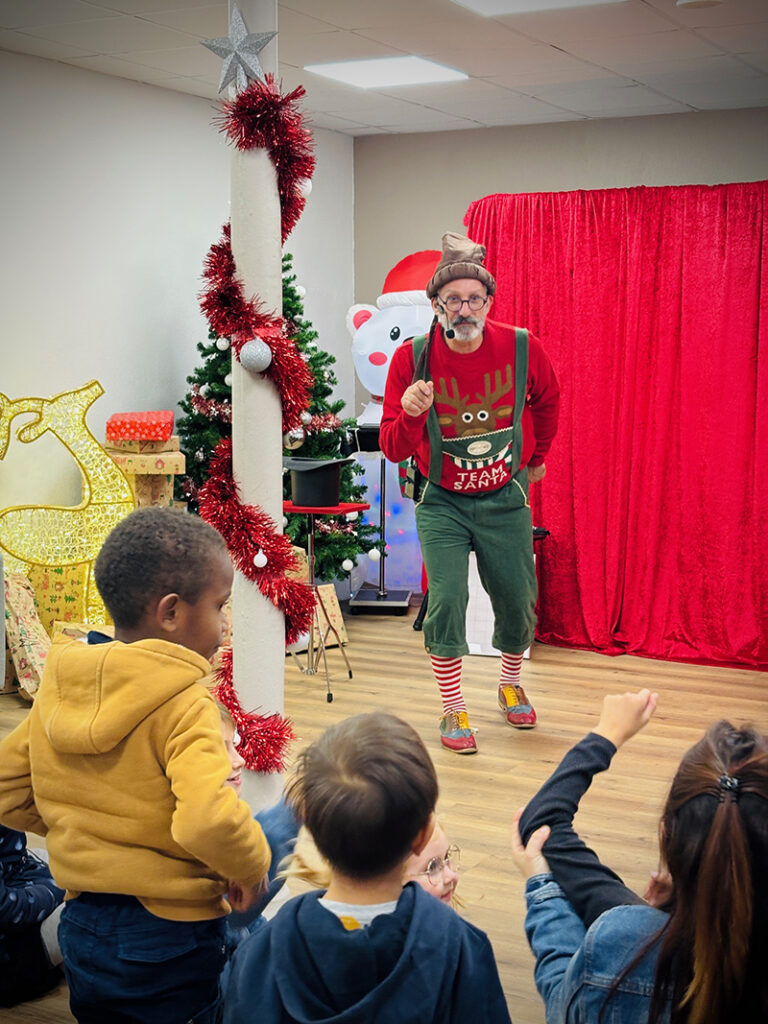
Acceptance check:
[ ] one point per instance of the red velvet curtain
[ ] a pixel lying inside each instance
(653, 306)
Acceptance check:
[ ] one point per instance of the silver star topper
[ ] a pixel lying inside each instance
(240, 50)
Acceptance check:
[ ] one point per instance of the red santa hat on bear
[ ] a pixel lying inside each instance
(406, 283)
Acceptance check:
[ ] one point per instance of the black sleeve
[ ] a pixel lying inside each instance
(590, 886)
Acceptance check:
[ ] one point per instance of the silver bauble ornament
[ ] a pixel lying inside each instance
(255, 355)
(294, 439)
(222, 344)
(306, 418)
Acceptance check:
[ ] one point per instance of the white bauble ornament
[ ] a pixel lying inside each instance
(304, 186)
(255, 355)
(222, 344)
(285, 521)
(260, 559)
(347, 565)
(301, 291)
(306, 418)
(228, 380)
(374, 554)
(351, 517)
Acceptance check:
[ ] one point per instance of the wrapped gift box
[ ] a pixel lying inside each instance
(59, 592)
(150, 472)
(171, 444)
(140, 426)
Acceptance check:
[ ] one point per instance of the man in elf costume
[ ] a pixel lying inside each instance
(475, 405)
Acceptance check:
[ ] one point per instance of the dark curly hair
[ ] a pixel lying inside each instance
(365, 789)
(153, 552)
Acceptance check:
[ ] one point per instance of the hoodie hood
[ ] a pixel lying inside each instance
(91, 697)
(420, 964)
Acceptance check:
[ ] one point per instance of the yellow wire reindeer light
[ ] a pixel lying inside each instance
(54, 535)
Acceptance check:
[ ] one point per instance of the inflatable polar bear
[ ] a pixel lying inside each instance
(402, 311)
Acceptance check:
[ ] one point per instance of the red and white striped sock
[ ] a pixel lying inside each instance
(448, 675)
(510, 669)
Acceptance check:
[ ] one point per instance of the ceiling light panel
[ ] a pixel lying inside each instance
(493, 8)
(386, 72)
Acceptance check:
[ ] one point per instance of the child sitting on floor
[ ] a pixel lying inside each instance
(121, 764)
(30, 903)
(368, 949)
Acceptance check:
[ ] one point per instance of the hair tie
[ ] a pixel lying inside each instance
(728, 786)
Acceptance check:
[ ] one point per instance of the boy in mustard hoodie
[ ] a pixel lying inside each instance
(122, 766)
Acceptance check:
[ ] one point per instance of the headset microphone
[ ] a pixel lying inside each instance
(449, 332)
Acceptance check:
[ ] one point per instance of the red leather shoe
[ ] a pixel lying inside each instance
(456, 734)
(516, 706)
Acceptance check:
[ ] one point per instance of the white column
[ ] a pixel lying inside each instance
(259, 632)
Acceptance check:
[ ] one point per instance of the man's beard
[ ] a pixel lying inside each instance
(465, 328)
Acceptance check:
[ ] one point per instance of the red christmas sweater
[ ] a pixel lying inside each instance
(474, 393)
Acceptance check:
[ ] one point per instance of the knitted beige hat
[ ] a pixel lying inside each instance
(461, 258)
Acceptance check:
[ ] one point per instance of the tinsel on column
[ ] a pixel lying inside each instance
(263, 738)
(259, 117)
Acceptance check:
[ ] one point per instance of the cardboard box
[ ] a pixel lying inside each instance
(145, 447)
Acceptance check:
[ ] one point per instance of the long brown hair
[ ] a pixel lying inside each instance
(714, 843)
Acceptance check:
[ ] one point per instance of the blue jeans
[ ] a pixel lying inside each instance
(127, 966)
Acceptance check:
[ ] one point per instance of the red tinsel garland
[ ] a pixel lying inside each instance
(247, 530)
(260, 118)
(318, 424)
(263, 738)
(230, 314)
(209, 406)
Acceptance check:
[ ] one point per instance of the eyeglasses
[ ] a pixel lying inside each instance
(454, 304)
(437, 865)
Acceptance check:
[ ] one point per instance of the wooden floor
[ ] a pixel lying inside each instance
(479, 794)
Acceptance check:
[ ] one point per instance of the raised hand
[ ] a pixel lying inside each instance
(625, 714)
(418, 397)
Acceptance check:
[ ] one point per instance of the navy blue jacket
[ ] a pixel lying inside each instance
(418, 965)
(27, 896)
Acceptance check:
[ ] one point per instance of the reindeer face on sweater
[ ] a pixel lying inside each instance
(480, 416)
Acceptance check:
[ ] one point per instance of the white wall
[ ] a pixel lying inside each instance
(409, 189)
(112, 193)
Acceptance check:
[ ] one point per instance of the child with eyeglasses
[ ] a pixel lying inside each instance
(368, 948)
(435, 869)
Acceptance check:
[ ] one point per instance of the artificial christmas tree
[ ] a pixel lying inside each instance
(323, 434)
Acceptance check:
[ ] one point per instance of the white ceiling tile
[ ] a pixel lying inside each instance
(604, 98)
(46, 12)
(359, 14)
(333, 45)
(609, 21)
(493, 63)
(730, 12)
(672, 45)
(19, 42)
(189, 61)
(143, 6)
(739, 38)
(628, 59)
(106, 64)
(113, 35)
(209, 22)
